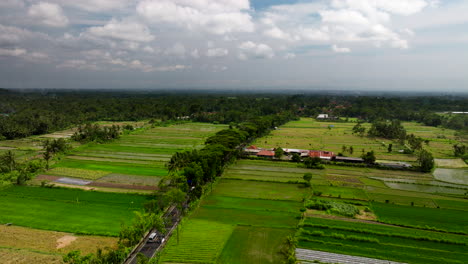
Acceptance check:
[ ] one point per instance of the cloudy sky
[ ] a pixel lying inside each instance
(388, 45)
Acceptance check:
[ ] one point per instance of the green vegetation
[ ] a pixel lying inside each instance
(78, 173)
(385, 242)
(255, 245)
(260, 190)
(332, 207)
(448, 220)
(69, 210)
(199, 242)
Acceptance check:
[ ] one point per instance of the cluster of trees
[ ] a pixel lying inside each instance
(387, 129)
(53, 147)
(13, 171)
(96, 133)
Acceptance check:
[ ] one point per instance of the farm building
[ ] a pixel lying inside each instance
(349, 159)
(327, 155)
(322, 116)
(266, 154)
(252, 150)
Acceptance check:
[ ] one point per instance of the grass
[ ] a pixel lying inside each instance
(68, 210)
(248, 217)
(448, 220)
(121, 168)
(260, 190)
(255, 245)
(250, 204)
(451, 204)
(199, 242)
(385, 242)
(342, 192)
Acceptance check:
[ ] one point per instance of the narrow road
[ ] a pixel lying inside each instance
(149, 248)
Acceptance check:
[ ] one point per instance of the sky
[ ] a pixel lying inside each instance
(376, 45)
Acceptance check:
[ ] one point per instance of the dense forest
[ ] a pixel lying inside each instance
(34, 113)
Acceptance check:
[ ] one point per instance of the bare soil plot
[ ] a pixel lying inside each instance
(129, 179)
(121, 186)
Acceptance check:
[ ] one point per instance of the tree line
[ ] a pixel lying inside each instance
(35, 113)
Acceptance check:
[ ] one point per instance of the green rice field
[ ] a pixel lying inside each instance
(384, 242)
(141, 153)
(68, 210)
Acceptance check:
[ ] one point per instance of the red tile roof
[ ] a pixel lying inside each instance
(266, 153)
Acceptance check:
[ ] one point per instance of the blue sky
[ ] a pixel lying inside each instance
(398, 45)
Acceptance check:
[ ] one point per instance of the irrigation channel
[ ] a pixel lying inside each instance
(149, 248)
(306, 256)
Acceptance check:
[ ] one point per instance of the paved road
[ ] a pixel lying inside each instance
(306, 256)
(149, 248)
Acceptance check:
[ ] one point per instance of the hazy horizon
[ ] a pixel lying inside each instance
(284, 45)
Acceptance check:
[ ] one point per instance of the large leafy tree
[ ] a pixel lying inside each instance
(425, 160)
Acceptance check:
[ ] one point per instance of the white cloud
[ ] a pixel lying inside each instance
(250, 49)
(337, 49)
(177, 67)
(343, 17)
(12, 52)
(96, 5)
(177, 50)
(78, 64)
(213, 16)
(217, 52)
(123, 30)
(289, 56)
(195, 54)
(48, 14)
(277, 33)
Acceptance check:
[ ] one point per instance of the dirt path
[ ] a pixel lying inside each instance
(65, 241)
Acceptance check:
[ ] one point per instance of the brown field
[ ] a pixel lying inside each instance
(41, 246)
(21, 256)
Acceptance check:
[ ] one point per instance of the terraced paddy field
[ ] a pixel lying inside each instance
(68, 210)
(260, 216)
(30, 147)
(307, 133)
(383, 242)
(423, 210)
(127, 161)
